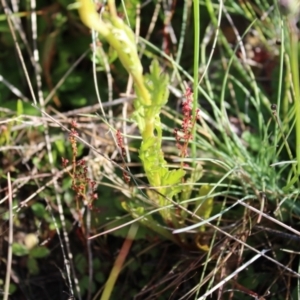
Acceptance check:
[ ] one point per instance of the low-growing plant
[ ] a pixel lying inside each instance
(152, 94)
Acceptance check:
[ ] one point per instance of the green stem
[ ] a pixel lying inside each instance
(196, 68)
(121, 38)
(112, 9)
(295, 76)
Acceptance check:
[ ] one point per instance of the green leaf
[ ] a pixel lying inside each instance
(72, 82)
(153, 161)
(38, 209)
(171, 181)
(157, 84)
(12, 288)
(173, 177)
(142, 233)
(60, 146)
(139, 115)
(26, 108)
(204, 205)
(99, 60)
(148, 221)
(39, 252)
(131, 10)
(99, 277)
(84, 284)
(32, 265)
(254, 141)
(81, 263)
(195, 177)
(19, 249)
(109, 207)
(96, 263)
(78, 101)
(20, 109)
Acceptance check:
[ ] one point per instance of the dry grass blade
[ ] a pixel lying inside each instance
(9, 240)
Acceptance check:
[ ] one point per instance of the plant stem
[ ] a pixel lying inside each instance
(196, 68)
(295, 76)
(110, 283)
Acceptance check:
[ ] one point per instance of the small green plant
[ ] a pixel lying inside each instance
(151, 96)
(32, 250)
(81, 265)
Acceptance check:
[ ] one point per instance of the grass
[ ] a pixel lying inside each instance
(104, 199)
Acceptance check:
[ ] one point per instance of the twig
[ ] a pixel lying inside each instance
(10, 239)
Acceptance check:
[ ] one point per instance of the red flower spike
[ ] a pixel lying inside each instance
(92, 184)
(123, 153)
(183, 137)
(64, 162)
(74, 124)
